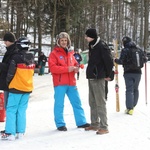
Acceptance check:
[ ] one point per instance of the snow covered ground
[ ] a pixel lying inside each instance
(126, 132)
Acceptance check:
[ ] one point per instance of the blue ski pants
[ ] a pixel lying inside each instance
(16, 113)
(132, 81)
(73, 95)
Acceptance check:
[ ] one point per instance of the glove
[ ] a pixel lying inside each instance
(82, 66)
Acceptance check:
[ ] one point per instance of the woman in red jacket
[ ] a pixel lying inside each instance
(63, 67)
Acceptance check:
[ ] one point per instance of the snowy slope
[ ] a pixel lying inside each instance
(126, 132)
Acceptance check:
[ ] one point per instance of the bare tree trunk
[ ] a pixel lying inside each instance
(135, 22)
(19, 19)
(39, 25)
(141, 27)
(146, 16)
(12, 16)
(53, 24)
(26, 20)
(120, 20)
(39, 32)
(35, 28)
(68, 20)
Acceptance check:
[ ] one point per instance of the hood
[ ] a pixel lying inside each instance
(129, 45)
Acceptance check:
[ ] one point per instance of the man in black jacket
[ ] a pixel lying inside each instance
(11, 49)
(98, 71)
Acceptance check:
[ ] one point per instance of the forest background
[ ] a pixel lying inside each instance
(111, 18)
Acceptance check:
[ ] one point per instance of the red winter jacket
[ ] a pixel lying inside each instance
(58, 62)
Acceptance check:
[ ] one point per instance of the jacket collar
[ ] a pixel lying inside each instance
(94, 43)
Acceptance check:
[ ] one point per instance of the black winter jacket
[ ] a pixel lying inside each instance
(42, 60)
(124, 57)
(100, 63)
(11, 50)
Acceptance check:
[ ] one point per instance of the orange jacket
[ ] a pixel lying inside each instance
(59, 61)
(23, 78)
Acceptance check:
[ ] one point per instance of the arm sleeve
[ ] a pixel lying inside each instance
(11, 72)
(45, 59)
(122, 57)
(3, 67)
(108, 60)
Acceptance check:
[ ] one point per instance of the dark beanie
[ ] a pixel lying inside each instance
(91, 33)
(126, 40)
(9, 36)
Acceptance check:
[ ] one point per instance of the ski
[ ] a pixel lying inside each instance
(115, 42)
(145, 83)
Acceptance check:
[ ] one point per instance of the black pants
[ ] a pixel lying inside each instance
(78, 75)
(106, 89)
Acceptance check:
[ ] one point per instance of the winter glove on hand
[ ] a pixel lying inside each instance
(82, 66)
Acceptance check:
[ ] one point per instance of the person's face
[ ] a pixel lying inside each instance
(88, 39)
(63, 42)
(7, 43)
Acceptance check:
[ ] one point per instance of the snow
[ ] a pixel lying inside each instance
(2, 47)
(126, 132)
(46, 39)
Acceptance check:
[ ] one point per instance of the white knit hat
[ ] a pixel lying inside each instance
(63, 35)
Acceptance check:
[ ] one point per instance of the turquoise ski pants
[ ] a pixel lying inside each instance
(73, 95)
(16, 113)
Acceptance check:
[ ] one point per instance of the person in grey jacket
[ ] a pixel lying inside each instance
(98, 71)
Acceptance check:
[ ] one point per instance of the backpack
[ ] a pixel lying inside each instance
(135, 58)
(28, 58)
(106, 47)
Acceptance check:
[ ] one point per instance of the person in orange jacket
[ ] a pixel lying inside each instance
(63, 67)
(20, 84)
